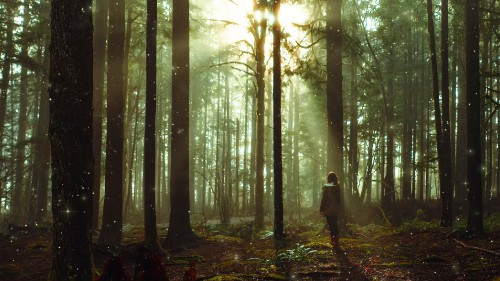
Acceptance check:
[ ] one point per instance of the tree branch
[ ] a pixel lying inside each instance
(496, 254)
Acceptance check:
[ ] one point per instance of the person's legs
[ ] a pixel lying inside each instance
(334, 230)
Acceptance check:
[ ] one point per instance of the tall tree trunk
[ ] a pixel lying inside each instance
(353, 132)
(205, 156)
(228, 194)
(422, 156)
(277, 144)
(485, 112)
(246, 176)
(406, 145)
(259, 179)
(128, 140)
(71, 138)
(453, 110)
(101, 28)
(444, 168)
(253, 156)
(474, 179)
(461, 150)
(334, 86)
(447, 184)
(129, 206)
(237, 178)
(4, 87)
(290, 191)
(268, 146)
(112, 220)
(180, 231)
(150, 232)
(388, 190)
(295, 156)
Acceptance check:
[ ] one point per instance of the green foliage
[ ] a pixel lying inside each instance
(224, 277)
(243, 230)
(492, 223)
(417, 226)
(300, 253)
(319, 245)
(186, 260)
(374, 231)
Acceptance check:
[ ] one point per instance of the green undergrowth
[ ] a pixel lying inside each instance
(373, 231)
(242, 230)
(492, 223)
(417, 226)
(300, 253)
(243, 277)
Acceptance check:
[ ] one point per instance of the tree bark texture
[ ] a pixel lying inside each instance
(4, 86)
(101, 27)
(112, 219)
(150, 232)
(259, 177)
(180, 231)
(70, 132)
(474, 178)
(277, 142)
(444, 167)
(334, 87)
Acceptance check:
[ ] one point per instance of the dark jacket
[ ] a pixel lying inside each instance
(330, 202)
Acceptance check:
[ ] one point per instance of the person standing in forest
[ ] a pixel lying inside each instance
(330, 206)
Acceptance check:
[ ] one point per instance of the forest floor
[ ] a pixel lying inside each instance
(414, 251)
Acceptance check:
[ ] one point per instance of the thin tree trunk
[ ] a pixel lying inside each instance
(246, 181)
(453, 110)
(447, 184)
(290, 191)
(237, 169)
(295, 156)
(253, 154)
(129, 207)
(111, 229)
(101, 27)
(353, 133)
(277, 142)
(461, 151)
(204, 163)
(406, 146)
(389, 192)
(128, 162)
(259, 179)
(150, 232)
(444, 175)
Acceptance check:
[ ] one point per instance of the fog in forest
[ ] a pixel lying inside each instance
(169, 123)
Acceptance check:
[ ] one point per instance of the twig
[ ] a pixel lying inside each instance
(496, 254)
